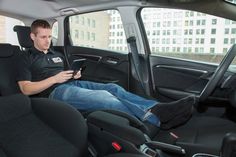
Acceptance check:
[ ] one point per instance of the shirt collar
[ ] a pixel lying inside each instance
(34, 50)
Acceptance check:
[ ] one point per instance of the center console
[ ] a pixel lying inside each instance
(114, 131)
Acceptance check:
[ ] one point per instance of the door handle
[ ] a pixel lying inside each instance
(111, 61)
(206, 75)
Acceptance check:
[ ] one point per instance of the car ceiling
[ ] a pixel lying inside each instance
(51, 8)
(48, 9)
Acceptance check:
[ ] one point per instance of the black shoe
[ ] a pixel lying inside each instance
(168, 111)
(177, 120)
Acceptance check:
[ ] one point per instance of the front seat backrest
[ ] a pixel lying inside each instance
(8, 61)
(23, 35)
(40, 127)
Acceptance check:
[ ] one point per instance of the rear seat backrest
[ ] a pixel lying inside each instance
(9, 56)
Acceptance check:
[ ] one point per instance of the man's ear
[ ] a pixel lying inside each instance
(32, 36)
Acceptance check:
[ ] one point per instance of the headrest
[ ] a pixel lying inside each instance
(23, 34)
(6, 50)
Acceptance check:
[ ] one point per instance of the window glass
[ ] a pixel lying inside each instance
(231, 1)
(7, 35)
(101, 30)
(192, 35)
(54, 33)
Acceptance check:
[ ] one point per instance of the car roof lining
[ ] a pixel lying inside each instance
(49, 9)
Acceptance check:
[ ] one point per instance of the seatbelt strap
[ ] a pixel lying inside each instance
(136, 62)
(66, 42)
(66, 57)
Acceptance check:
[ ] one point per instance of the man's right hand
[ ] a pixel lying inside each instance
(63, 76)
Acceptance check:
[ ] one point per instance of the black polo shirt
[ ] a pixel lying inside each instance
(36, 66)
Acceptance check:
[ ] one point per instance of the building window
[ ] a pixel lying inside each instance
(233, 30)
(197, 41)
(212, 50)
(82, 35)
(82, 20)
(214, 21)
(232, 41)
(198, 22)
(202, 31)
(226, 30)
(77, 19)
(191, 13)
(190, 32)
(213, 31)
(93, 36)
(76, 34)
(203, 22)
(225, 50)
(213, 40)
(226, 40)
(202, 41)
(93, 23)
(227, 22)
(197, 31)
(88, 22)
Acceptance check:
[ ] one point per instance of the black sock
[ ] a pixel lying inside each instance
(178, 120)
(167, 111)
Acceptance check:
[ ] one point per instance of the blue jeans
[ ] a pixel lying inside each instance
(91, 96)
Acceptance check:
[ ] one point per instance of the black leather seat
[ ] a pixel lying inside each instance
(8, 61)
(40, 127)
(200, 134)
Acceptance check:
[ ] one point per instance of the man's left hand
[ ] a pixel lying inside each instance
(77, 75)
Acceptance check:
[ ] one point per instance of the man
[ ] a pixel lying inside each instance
(42, 73)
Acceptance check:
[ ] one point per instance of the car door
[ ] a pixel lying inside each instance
(95, 37)
(185, 49)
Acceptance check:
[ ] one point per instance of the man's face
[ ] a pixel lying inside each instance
(42, 39)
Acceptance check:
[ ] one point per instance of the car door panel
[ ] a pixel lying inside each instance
(176, 78)
(180, 74)
(102, 65)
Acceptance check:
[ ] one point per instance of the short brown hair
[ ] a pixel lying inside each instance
(39, 23)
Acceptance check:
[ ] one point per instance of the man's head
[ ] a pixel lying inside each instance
(41, 34)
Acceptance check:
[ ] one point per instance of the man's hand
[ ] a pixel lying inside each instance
(63, 76)
(29, 88)
(77, 75)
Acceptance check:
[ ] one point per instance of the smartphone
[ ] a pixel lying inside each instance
(77, 65)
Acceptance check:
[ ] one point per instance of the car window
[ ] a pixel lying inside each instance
(54, 33)
(231, 1)
(188, 34)
(100, 30)
(7, 35)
